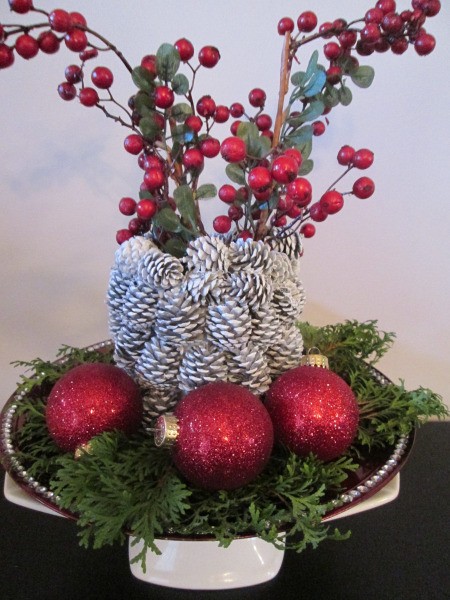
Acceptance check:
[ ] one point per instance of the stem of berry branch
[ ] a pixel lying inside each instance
(340, 177)
(286, 62)
(109, 45)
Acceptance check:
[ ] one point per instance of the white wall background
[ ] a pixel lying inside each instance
(63, 170)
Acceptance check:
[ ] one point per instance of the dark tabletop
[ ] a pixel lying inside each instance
(400, 551)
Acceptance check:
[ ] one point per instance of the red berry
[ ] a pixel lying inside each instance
(347, 38)
(146, 209)
(149, 64)
(363, 187)
(185, 49)
(317, 213)
(295, 154)
(136, 226)
(210, 147)
(332, 202)
(345, 155)
(77, 18)
(392, 23)
(133, 143)
(234, 127)
(363, 158)
(67, 91)
(127, 206)
(326, 30)
(48, 42)
(257, 97)
(59, 20)
(235, 213)
(76, 40)
(193, 159)
(387, 6)
(424, 44)
(222, 224)
(284, 169)
(285, 203)
(295, 211)
(206, 106)
(279, 221)
(233, 149)
(432, 7)
(153, 162)
(364, 49)
(339, 24)
(102, 77)
(374, 15)
(164, 96)
(227, 193)
(332, 50)
(263, 196)
(20, 6)
(194, 123)
(154, 179)
(236, 110)
(123, 235)
(260, 179)
(221, 114)
(89, 97)
(370, 33)
(284, 25)
(318, 128)
(263, 122)
(245, 235)
(88, 54)
(307, 21)
(6, 56)
(300, 190)
(208, 57)
(26, 46)
(308, 230)
(399, 45)
(73, 74)
(334, 74)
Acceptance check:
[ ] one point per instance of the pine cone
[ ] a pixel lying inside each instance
(114, 322)
(287, 354)
(203, 284)
(139, 307)
(288, 300)
(117, 289)
(251, 256)
(282, 267)
(249, 368)
(160, 271)
(289, 243)
(129, 343)
(228, 325)
(157, 401)
(130, 253)
(207, 254)
(255, 289)
(201, 364)
(266, 326)
(158, 365)
(179, 320)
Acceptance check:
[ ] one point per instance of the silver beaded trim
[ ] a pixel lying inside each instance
(7, 448)
(14, 466)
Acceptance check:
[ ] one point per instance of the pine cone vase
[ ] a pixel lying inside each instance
(202, 363)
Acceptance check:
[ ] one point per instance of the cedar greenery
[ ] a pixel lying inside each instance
(127, 485)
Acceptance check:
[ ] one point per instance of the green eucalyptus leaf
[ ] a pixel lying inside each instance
(247, 131)
(316, 84)
(305, 148)
(347, 64)
(180, 84)
(184, 199)
(312, 65)
(235, 173)
(298, 79)
(166, 219)
(178, 134)
(307, 167)
(142, 79)
(180, 111)
(207, 190)
(175, 246)
(149, 127)
(330, 97)
(265, 145)
(363, 76)
(300, 136)
(143, 103)
(145, 194)
(345, 95)
(167, 62)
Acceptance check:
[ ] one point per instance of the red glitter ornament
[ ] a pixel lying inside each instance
(90, 399)
(221, 436)
(313, 410)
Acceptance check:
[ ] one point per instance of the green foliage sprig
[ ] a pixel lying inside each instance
(127, 485)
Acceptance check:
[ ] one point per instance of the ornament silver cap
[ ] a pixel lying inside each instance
(313, 358)
(166, 431)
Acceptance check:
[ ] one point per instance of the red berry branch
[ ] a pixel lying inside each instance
(170, 130)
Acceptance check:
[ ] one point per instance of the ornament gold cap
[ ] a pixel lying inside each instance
(313, 358)
(166, 431)
(82, 449)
